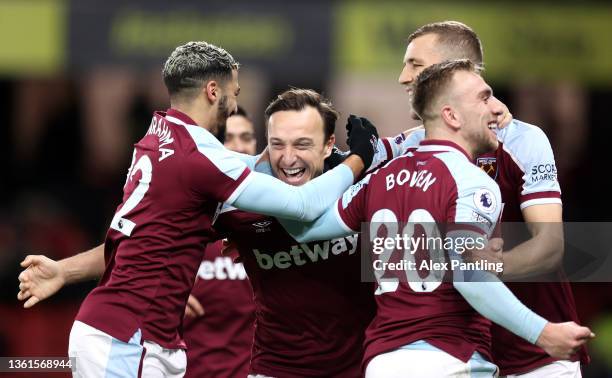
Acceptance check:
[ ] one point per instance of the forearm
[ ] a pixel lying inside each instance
(85, 266)
(495, 301)
(267, 195)
(327, 226)
(541, 254)
(356, 165)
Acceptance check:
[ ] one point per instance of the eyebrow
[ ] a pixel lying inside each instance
(304, 140)
(485, 93)
(413, 60)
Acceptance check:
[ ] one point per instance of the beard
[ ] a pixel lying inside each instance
(484, 144)
(223, 113)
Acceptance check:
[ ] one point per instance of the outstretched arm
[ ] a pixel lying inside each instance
(495, 301)
(266, 195)
(43, 276)
(327, 226)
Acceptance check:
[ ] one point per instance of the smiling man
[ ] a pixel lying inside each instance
(435, 326)
(311, 308)
(529, 196)
(300, 136)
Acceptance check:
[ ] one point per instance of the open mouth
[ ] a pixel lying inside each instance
(493, 125)
(293, 174)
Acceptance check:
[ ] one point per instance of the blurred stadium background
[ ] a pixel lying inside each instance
(79, 79)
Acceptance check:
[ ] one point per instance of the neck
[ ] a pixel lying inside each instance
(440, 132)
(199, 114)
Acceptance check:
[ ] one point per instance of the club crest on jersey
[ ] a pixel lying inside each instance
(262, 226)
(484, 200)
(400, 138)
(488, 165)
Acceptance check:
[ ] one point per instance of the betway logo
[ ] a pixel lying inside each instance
(301, 254)
(223, 268)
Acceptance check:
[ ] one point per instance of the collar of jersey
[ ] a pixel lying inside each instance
(178, 117)
(439, 145)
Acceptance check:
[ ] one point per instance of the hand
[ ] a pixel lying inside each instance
(506, 117)
(336, 157)
(194, 308)
(562, 340)
(491, 253)
(230, 249)
(362, 138)
(41, 279)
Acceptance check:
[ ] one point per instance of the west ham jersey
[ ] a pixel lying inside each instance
(154, 246)
(311, 307)
(436, 183)
(524, 167)
(219, 342)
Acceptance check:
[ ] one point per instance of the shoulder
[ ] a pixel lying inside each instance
(408, 139)
(518, 130)
(466, 176)
(209, 151)
(523, 140)
(202, 138)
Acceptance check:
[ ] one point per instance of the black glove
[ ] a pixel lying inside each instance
(336, 158)
(362, 138)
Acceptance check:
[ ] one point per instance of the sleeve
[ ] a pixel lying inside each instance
(351, 207)
(495, 301)
(260, 193)
(212, 171)
(532, 152)
(478, 207)
(251, 161)
(220, 174)
(217, 173)
(390, 148)
(342, 219)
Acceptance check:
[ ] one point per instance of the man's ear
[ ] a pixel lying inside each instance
(451, 117)
(212, 90)
(329, 145)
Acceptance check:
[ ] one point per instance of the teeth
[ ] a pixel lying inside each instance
(492, 126)
(293, 171)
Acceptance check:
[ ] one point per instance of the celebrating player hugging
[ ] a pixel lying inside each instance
(294, 215)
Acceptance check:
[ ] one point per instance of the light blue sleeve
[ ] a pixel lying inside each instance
(249, 160)
(495, 301)
(390, 148)
(331, 225)
(327, 226)
(478, 206)
(260, 193)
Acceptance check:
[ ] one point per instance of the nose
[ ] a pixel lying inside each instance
(497, 107)
(240, 147)
(405, 77)
(289, 156)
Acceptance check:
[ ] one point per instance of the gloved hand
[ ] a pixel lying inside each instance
(362, 138)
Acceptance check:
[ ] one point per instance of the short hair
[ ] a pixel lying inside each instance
(432, 82)
(240, 111)
(297, 99)
(458, 39)
(193, 64)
